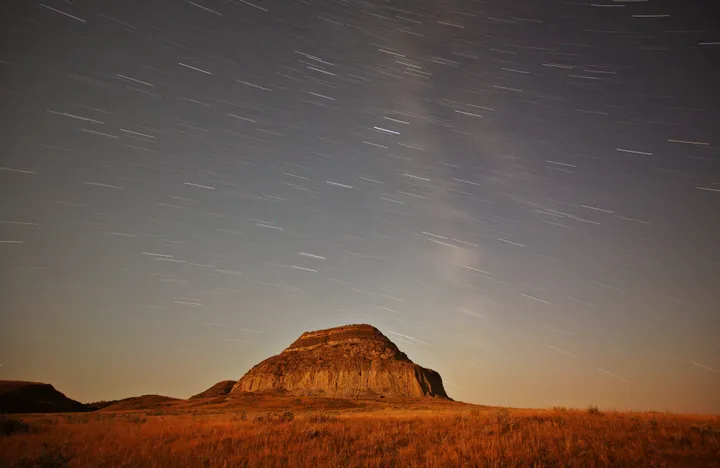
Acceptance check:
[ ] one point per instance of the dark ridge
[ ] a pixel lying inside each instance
(35, 397)
(143, 402)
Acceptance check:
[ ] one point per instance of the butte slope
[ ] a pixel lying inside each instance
(353, 361)
(218, 390)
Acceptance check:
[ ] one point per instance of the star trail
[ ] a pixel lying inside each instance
(525, 195)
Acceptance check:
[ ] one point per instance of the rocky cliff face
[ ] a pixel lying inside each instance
(353, 361)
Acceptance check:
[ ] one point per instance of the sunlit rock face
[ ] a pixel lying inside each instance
(353, 361)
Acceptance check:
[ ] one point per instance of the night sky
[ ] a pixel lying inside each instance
(523, 195)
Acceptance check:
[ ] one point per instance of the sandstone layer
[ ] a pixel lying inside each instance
(353, 361)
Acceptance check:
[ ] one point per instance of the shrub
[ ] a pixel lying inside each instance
(502, 418)
(10, 426)
(593, 409)
(137, 419)
(240, 416)
(47, 457)
(274, 417)
(681, 439)
(501, 415)
(321, 418)
(312, 433)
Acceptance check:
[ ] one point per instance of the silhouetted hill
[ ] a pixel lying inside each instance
(143, 402)
(35, 397)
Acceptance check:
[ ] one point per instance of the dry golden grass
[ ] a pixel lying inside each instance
(420, 434)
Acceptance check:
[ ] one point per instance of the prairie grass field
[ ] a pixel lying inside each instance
(297, 433)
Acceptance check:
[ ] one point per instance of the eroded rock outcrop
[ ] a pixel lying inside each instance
(354, 361)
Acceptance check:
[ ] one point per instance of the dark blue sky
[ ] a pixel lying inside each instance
(523, 195)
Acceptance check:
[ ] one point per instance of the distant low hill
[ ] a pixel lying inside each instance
(220, 389)
(35, 397)
(142, 402)
(98, 405)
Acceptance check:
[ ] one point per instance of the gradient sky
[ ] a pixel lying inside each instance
(524, 196)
